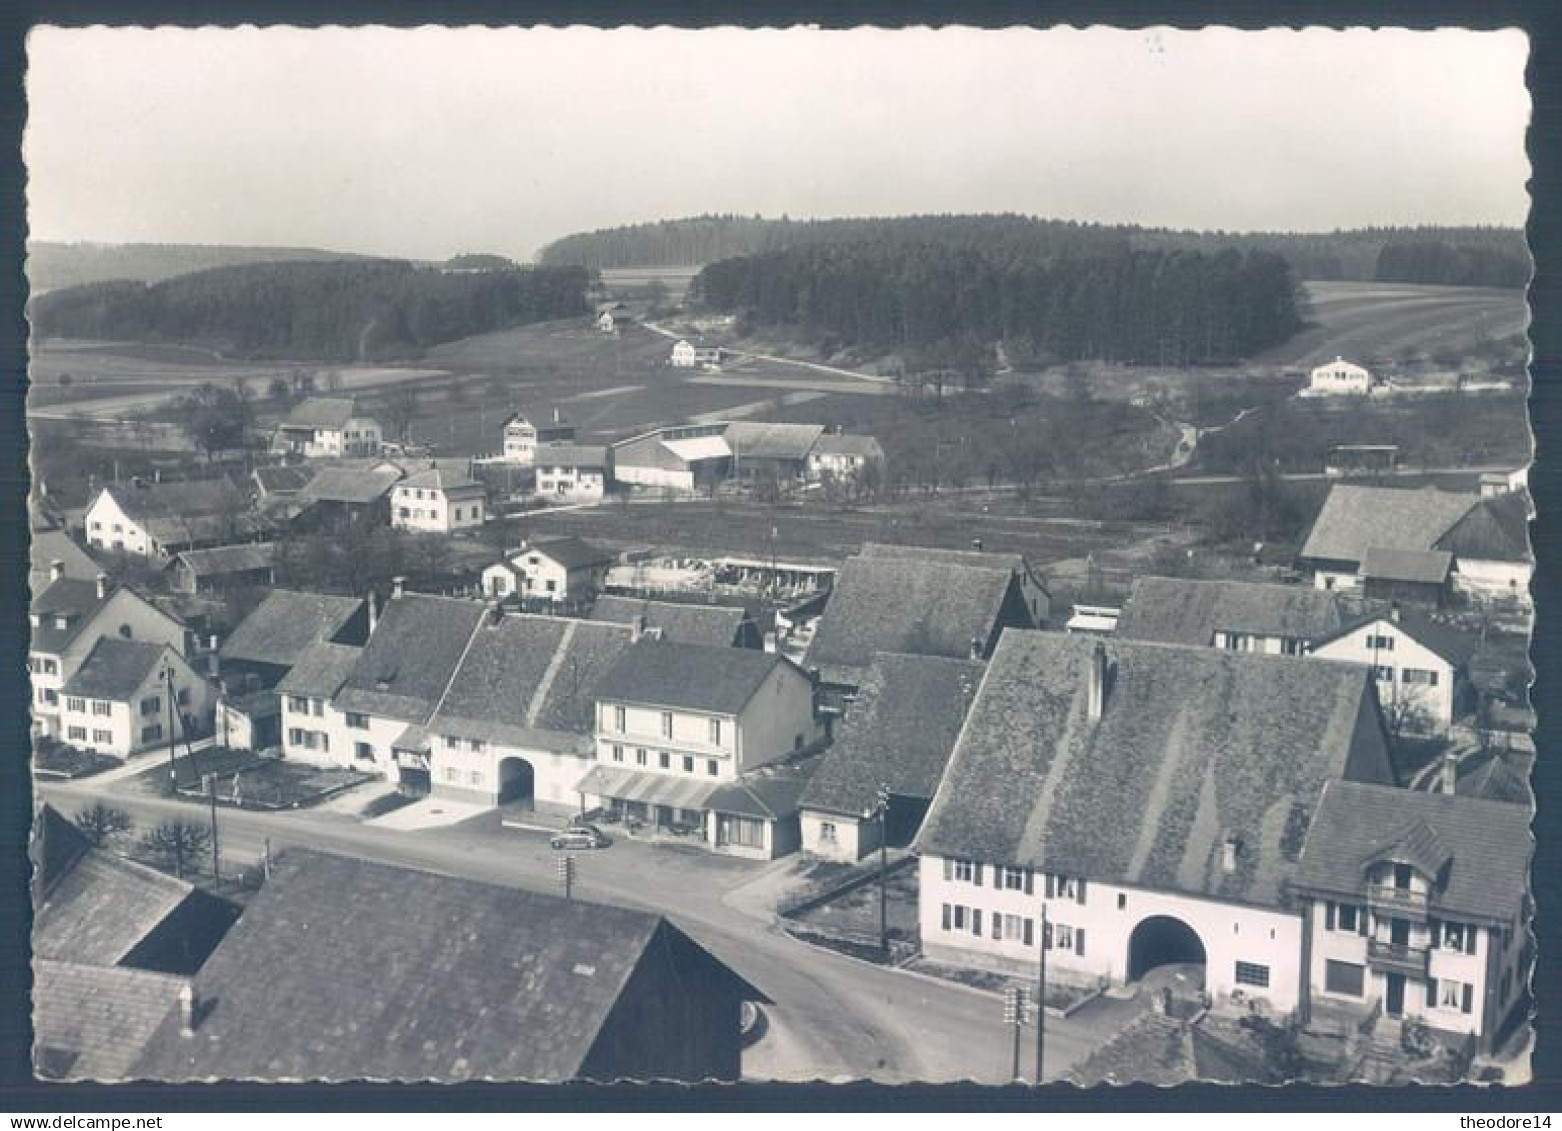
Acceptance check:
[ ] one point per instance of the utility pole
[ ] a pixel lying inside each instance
(173, 766)
(567, 875)
(1016, 1005)
(1041, 995)
(881, 811)
(211, 793)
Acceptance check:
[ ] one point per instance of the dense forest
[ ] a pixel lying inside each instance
(359, 310)
(1470, 256)
(940, 303)
(51, 265)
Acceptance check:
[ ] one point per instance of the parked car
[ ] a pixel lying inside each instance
(580, 836)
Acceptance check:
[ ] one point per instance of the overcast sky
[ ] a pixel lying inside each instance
(431, 142)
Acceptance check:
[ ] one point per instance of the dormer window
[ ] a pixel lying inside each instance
(124, 630)
(62, 622)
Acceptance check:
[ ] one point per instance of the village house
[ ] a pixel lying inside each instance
(1417, 904)
(1421, 666)
(1487, 539)
(1150, 800)
(549, 572)
(687, 355)
(157, 520)
(1239, 616)
(1493, 483)
(573, 473)
(523, 436)
(683, 733)
(775, 453)
(270, 484)
(685, 458)
(438, 501)
(529, 987)
(54, 554)
(682, 622)
(614, 319)
(304, 698)
(265, 645)
(222, 569)
(67, 620)
(327, 427)
(1339, 378)
(338, 497)
(126, 695)
(947, 603)
(896, 739)
(844, 458)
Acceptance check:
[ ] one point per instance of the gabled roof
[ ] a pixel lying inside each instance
(456, 980)
(115, 668)
(772, 794)
(218, 560)
(321, 412)
(409, 660)
(1448, 642)
(980, 559)
(1487, 845)
(283, 480)
(50, 546)
(73, 598)
(571, 455)
(837, 444)
(1415, 843)
(320, 670)
(753, 439)
(717, 625)
(930, 607)
(530, 681)
(440, 479)
(1425, 567)
(101, 907)
(1490, 777)
(1194, 746)
(349, 484)
(568, 551)
(1354, 519)
(92, 1022)
(194, 511)
(285, 623)
(1181, 611)
(1496, 529)
(691, 677)
(899, 732)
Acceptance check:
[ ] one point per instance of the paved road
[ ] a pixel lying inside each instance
(831, 1017)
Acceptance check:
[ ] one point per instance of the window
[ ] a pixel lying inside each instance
(49, 695)
(827, 832)
(1345, 917)
(125, 631)
(748, 832)
(298, 703)
(715, 732)
(74, 704)
(666, 760)
(363, 751)
(618, 753)
(1122, 900)
(474, 777)
(317, 707)
(452, 742)
(640, 756)
(1015, 879)
(619, 719)
(183, 697)
(1066, 887)
(1252, 974)
(688, 764)
(1446, 993)
(76, 734)
(1346, 978)
(1013, 928)
(1386, 674)
(965, 871)
(359, 722)
(1454, 936)
(104, 736)
(667, 724)
(1380, 643)
(1062, 937)
(475, 745)
(1418, 676)
(150, 704)
(152, 733)
(552, 586)
(102, 708)
(712, 767)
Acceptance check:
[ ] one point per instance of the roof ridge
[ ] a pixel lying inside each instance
(545, 684)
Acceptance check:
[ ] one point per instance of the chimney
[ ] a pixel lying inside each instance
(1229, 853)
(976, 647)
(56, 569)
(1448, 774)
(1393, 612)
(976, 544)
(1096, 689)
(187, 1010)
(102, 586)
(213, 662)
(637, 628)
(558, 416)
(157, 475)
(398, 588)
(374, 612)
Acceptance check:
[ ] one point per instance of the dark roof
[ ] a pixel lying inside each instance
(1180, 611)
(569, 551)
(349, 484)
(92, 1022)
(1448, 642)
(1490, 777)
(283, 480)
(752, 439)
(56, 846)
(115, 668)
(690, 676)
(1194, 746)
(982, 559)
(1354, 519)
(899, 732)
(445, 979)
(772, 793)
(193, 511)
(926, 607)
(74, 598)
(320, 670)
(441, 479)
(1428, 567)
(50, 546)
(321, 412)
(1496, 529)
(230, 559)
(571, 455)
(680, 623)
(530, 681)
(101, 907)
(409, 660)
(1480, 849)
(287, 622)
(835, 444)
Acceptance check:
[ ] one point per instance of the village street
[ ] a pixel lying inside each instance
(832, 1017)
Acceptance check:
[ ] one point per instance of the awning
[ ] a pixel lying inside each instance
(413, 740)
(655, 789)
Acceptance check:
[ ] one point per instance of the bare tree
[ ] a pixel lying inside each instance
(401, 409)
(102, 824)
(175, 844)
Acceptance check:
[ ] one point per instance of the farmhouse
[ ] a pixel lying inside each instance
(156, 520)
(844, 458)
(1416, 904)
(482, 982)
(614, 319)
(339, 497)
(329, 427)
(223, 568)
(1151, 800)
(682, 732)
(552, 571)
(522, 436)
(1339, 378)
(438, 501)
(682, 623)
(1033, 591)
(1240, 616)
(304, 697)
(266, 644)
(771, 452)
(125, 695)
(685, 458)
(282, 482)
(1421, 665)
(687, 355)
(573, 473)
(896, 738)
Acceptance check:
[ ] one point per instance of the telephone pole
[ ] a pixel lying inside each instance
(211, 793)
(1041, 995)
(567, 875)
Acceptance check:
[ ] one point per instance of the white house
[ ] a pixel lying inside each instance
(556, 570)
(522, 436)
(1421, 665)
(304, 697)
(1339, 378)
(1239, 616)
(684, 738)
(327, 427)
(158, 520)
(612, 319)
(687, 355)
(438, 501)
(573, 473)
(1416, 904)
(844, 458)
(1150, 800)
(129, 695)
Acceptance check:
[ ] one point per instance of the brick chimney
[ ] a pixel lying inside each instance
(398, 588)
(213, 661)
(374, 611)
(56, 569)
(1448, 774)
(187, 1010)
(102, 586)
(976, 648)
(1096, 687)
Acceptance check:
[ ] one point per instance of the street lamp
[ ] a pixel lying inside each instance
(880, 810)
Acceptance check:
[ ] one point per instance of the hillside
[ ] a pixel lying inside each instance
(53, 266)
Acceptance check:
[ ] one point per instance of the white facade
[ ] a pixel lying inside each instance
(1251, 952)
(110, 528)
(478, 771)
(1408, 673)
(832, 836)
(123, 727)
(682, 356)
(360, 436)
(1494, 579)
(520, 441)
(570, 483)
(437, 510)
(1340, 378)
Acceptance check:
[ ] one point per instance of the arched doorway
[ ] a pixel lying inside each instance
(517, 781)
(1162, 941)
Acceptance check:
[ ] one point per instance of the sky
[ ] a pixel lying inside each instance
(430, 142)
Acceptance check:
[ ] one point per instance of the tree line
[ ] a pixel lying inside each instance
(368, 310)
(941, 300)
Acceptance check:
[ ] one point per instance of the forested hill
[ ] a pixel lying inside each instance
(1470, 256)
(938, 305)
(51, 266)
(363, 310)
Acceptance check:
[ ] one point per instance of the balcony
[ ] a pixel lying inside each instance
(1397, 958)
(1401, 902)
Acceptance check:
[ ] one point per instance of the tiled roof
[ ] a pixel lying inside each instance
(348, 485)
(92, 1022)
(101, 908)
(571, 455)
(320, 670)
(678, 622)
(689, 676)
(1194, 746)
(833, 444)
(771, 794)
(1428, 567)
(56, 846)
(195, 497)
(530, 681)
(568, 551)
(230, 559)
(283, 480)
(1490, 778)
(343, 969)
(1354, 519)
(409, 660)
(926, 607)
(1497, 529)
(899, 732)
(285, 623)
(1448, 642)
(1487, 845)
(753, 439)
(321, 412)
(981, 559)
(440, 479)
(1179, 611)
(49, 546)
(74, 598)
(115, 669)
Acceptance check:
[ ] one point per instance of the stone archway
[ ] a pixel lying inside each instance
(517, 781)
(1162, 940)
